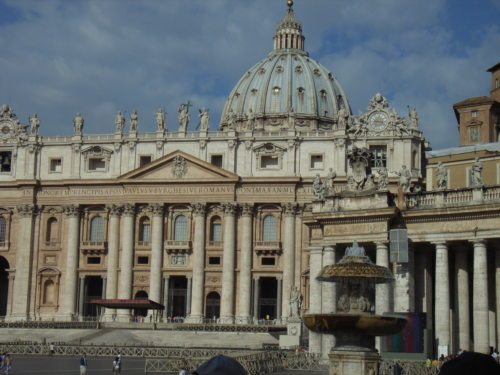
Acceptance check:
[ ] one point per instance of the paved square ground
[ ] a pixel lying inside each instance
(59, 365)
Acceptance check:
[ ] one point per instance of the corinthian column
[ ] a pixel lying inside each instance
(227, 299)
(21, 292)
(288, 258)
(72, 213)
(442, 307)
(480, 313)
(197, 294)
(115, 212)
(156, 253)
(127, 259)
(329, 298)
(245, 291)
(462, 292)
(382, 291)
(315, 263)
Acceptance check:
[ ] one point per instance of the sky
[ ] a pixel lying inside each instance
(97, 57)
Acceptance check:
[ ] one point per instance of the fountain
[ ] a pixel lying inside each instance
(354, 326)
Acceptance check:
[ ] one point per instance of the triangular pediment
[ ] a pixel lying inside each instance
(179, 166)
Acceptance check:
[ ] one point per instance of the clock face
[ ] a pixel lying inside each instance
(378, 121)
(5, 130)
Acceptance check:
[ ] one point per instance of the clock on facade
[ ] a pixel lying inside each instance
(378, 121)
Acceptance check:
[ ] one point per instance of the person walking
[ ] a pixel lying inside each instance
(83, 364)
(116, 366)
(119, 363)
(7, 364)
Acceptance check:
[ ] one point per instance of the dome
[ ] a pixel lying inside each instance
(285, 90)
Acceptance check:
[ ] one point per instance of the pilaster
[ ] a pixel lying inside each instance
(290, 210)
(115, 211)
(228, 263)
(156, 252)
(127, 258)
(245, 285)
(315, 264)
(72, 213)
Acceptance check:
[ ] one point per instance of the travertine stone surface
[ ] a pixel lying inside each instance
(480, 298)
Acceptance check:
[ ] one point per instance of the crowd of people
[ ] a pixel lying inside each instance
(5, 363)
(442, 359)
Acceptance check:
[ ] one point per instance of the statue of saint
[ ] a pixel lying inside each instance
(476, 171)
(329, 180)
(404, 178)
(35, 124)
(413, 118)
(134, 119)
(383, 178)
(204, 120)
(441, 176)
(183, 116)
(119, 122)
(318, 188)
(250, 119)
(294, 302)
(343, 117)
(231, 119)
(160, 120)
(78, 123)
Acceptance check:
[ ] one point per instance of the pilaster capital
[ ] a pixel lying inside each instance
(289, 209)
(129, 209)
(115, 210)
(71, 210)
(26, 210)
(156, 209)
(229, 208)
(247, 209)
(199, 209)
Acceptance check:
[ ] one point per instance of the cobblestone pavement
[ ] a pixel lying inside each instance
(38, 365)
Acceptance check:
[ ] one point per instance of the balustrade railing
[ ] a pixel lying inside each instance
(452, 197)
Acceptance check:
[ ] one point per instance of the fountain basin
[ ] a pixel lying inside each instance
(365, 324)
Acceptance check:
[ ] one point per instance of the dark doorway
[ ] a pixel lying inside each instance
(93, 290)
(4, 285)
(268, 287)
(213, 306)
(177, 297)
(141, 294)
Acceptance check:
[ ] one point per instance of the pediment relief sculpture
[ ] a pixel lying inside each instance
(269, 148)
(97, 151)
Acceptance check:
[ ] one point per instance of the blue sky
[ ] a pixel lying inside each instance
(60, 57)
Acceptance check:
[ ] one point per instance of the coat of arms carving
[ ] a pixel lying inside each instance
(179, 168)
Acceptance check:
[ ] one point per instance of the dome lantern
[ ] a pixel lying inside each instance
(289, 32)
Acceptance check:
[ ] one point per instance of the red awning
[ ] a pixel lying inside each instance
(128, 304)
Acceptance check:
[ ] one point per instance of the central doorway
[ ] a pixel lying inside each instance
(212, 306)
(267, 299)
(177, 297)
(141, 294)
(4, 285)
(93, 290)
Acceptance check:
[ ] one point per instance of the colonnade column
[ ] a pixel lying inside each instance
(382, 291)
(315, 262)
(21, 290)
(127, 259)
(288, 259)
(329, 298)
(72, 213)
(228, 261)
(442, 306)
(198, 259)
(480, 309)
(115, 212)
(81, 295)
(188, 298)
(462, 293)
(156, 253)
(166, 285)
(256, 293)
(245, 265)
(497, 283)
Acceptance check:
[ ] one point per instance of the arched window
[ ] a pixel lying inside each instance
(415, 159)
(3, 229)
(276, 98)
(49, 293)
(52, 230)
(215, 229)
(145, 229)
(180, 228)
(269, 232)
(97, 229)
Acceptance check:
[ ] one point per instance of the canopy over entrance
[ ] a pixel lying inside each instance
(128, 304)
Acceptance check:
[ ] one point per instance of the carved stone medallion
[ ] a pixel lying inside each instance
(179, 167)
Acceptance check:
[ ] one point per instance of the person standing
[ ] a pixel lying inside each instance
(7, 364)
(83, 364)
(116, 365)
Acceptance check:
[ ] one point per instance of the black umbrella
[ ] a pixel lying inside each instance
(471, 363)
(221, 365)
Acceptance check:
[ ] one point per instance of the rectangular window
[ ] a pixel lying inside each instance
(142, 260)
(473, 114)
(316, 162)
(268, 261)
(5, 161)
(56, 165)
(144, 159)
(97, 164)
(216, 160)
(214, 261)
(379, 157)
(94, 260)
(269, 162)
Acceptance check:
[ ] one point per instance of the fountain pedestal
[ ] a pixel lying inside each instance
(352, 361)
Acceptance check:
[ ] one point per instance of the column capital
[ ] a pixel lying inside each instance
(478, 242)
(289, 209)
(71, 210)
(26, 210)
(330, 247)
(115, 210)
(247, 209)
(199, 209)
(441, 243)
(315, 249)
(382, 243)
(229, 208)
(156, 209)
(129, 209)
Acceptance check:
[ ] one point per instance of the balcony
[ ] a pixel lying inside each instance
(4, 245)
(51, 245)
(268, 248)
(215, 244)
(94, 247)
(143, 245)
(178, 247)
